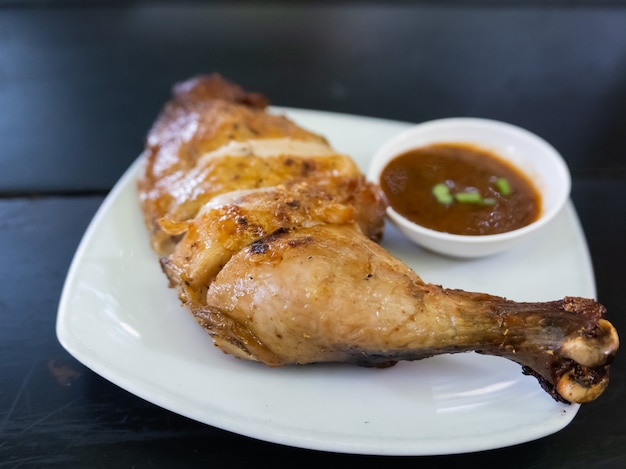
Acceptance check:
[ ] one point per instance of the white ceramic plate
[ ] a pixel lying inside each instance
(118, 317)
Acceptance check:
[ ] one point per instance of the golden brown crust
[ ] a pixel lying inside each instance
(205, 114)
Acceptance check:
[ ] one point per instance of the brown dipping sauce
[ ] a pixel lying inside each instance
(408, 181)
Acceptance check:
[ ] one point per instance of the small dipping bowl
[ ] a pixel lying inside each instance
(530, 154)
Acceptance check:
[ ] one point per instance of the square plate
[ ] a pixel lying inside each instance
(117, 316)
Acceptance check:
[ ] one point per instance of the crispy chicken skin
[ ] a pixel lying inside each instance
(233, 221)
(269, 236)
(184, 165)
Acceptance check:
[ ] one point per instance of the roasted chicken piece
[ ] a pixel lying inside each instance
(232, 221)
(212, 138)
(289, 272)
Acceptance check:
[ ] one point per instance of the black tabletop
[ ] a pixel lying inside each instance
(80, 85)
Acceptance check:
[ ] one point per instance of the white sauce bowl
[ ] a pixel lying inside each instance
(526, 151)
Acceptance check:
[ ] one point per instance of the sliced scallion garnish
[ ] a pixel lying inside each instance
(468, 197)
(442, 194)
(503, 186)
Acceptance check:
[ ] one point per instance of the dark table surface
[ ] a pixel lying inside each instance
(81, 85)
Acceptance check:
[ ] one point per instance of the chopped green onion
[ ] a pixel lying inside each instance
(503, 186)
(442, 193)
(468, 197)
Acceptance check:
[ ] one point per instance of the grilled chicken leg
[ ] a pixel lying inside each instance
(269, 237)
(355, 303)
